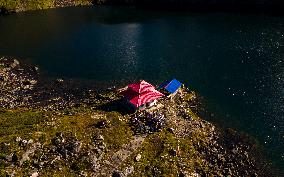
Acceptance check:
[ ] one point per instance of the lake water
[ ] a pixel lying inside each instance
(236, 61)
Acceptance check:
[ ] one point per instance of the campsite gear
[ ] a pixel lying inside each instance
(141, 94)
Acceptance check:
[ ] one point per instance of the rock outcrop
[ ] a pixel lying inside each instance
(50, 129)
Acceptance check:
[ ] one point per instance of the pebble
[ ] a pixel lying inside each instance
(138, 157)
(18, 139)
(59, 81)
(128, 170)
(56, 141)
(35, 174)
(30, 141)
(100, 137)
(24, 143)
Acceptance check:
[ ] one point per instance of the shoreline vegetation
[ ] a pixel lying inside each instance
(47, 129)
(271, 6)
(8, 6)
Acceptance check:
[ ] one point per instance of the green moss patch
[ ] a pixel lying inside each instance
(164, 155)
(20, 123)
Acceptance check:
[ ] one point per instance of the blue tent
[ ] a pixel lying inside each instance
(171, 86)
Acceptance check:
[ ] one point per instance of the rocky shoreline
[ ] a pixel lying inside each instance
(54, 127)
(22, 86)
(268, 6)
(8, 7)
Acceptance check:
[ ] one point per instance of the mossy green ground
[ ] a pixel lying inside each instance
(182, 146)
(158, 158)
(43, 126)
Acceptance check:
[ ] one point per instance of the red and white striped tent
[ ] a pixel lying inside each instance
(141, 93)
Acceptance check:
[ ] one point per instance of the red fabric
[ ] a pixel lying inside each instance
(141, 93)
(141, 86)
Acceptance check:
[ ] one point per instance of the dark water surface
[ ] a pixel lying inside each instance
(236, 61)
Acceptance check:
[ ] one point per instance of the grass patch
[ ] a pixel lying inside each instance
(119, 132)
(43, 127)
(156, 156)
(165, 155)
(19, 123)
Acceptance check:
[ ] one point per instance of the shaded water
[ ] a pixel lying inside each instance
(235, 60)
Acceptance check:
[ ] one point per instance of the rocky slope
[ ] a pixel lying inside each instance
(8, 6)
(50, 130)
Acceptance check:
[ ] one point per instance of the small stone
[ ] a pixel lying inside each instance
(15, 63)
(41, 164)
(128, 170)
(116, 174)
(35, 161)
(30, 141)
(102, 147)
(24, 143)
(35, 174)
(59, 81)
(100, 137)
(18, 139)
(138, 157)
(78, 146)
(98, 151)
(9, 157)
(33, 82)
(56, 141)
(194, 174)
(171, 130)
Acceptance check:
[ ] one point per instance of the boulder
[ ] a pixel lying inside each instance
(116, 174)
(128, 170)
(100, 137)
(59, 81)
